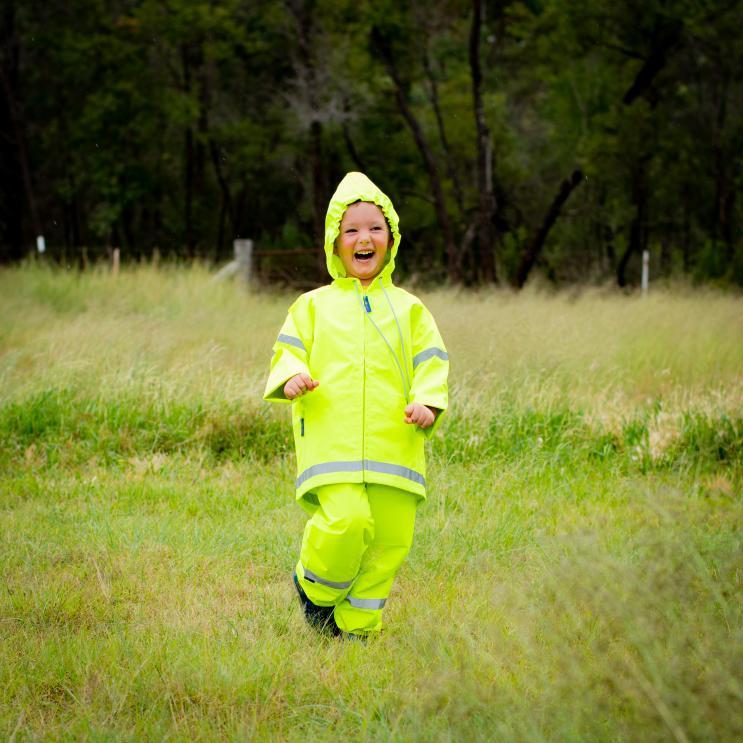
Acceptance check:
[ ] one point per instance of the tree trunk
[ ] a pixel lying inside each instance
(486, 206)
(226, 205)
(188, 154)
(302, 12)
(724, 184)
(351, 147)
(13, 199)
(434, 98)
(637, 228)
(9, 65)
(318, 186)
(686, 229)
(534, 248)
(442, 213)
(665, 37)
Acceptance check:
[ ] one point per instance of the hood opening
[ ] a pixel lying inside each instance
(358, 187)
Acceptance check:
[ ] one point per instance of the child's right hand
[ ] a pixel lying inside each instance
(298, 385)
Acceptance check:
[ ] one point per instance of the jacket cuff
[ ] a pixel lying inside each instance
(276, 392)
(277, 395)
(440, 405)
(431, 430)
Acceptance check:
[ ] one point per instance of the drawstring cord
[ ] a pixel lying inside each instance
(366, 309)
(399, 333)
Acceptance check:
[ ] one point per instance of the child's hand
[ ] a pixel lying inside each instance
(298, 385)
(420, 414)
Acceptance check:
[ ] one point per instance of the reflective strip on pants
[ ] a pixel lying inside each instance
(309, 575)
(366, 603)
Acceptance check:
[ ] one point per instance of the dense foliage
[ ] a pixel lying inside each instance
(514, 137)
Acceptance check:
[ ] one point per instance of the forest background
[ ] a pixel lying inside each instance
(576, 574)
(514, 137)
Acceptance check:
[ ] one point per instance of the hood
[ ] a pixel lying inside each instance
(357, 187)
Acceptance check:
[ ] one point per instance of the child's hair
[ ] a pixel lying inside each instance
(360, 201)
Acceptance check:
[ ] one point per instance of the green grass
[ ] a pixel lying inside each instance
(575, 574)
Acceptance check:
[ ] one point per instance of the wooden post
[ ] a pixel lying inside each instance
(244, 258)
(115, 262)
(645, 271)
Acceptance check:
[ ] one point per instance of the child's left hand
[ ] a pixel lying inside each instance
(420, 414)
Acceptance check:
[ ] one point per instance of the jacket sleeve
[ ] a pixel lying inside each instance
(291, 351)
(430, 365)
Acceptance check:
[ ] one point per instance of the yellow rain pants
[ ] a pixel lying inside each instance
(353, 545)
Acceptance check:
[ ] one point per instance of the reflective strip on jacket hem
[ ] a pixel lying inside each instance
(291, 341)
(419, 358)
(366, 603)
(309, 575)
(327, 468)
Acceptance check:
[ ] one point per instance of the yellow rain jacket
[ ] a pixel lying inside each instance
(373, 349)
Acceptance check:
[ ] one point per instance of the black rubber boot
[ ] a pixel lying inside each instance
(320, 618)
(350, 637)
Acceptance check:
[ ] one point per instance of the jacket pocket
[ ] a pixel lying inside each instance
(299, 424)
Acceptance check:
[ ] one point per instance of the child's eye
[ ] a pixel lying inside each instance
(350, 229)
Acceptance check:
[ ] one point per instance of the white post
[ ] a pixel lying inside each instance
(40, 244)
(244, 257)
(645, 271)
(115, 263)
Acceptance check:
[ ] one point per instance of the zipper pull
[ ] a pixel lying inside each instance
(366, 303)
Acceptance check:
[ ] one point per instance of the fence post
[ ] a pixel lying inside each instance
(645, 271)
(116, 256)
(244, 258)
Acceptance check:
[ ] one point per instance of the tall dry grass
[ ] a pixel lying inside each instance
(575, 574)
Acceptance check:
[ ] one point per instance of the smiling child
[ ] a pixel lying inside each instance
(365, 369)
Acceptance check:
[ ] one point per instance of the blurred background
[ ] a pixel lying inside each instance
(541, 138)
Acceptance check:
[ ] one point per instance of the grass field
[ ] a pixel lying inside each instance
(575, 574)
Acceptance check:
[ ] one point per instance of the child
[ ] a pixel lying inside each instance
(365, 369)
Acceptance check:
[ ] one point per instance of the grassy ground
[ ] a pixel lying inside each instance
(575, 574)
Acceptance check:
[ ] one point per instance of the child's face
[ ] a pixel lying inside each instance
(363, 241)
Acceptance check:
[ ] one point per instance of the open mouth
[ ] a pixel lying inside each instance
(363, 255)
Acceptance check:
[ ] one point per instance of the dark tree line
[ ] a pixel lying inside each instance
(514, 137)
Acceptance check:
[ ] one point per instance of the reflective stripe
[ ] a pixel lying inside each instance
(309, 575)
(394, 469)
(419, 358)
(326, 468)
(366, 603)
(291, 341)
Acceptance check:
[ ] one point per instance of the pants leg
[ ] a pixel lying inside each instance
(335, 539)
(393, 515)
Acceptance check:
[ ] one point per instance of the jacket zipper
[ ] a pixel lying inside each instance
(367, 307)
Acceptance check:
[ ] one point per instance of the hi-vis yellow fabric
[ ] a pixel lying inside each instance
(353, 546)
(373, 349)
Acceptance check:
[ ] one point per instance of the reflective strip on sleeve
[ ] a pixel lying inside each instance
(419, 358)
(366, 603)
(328, 468)
(291, 341)
(309, 575)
